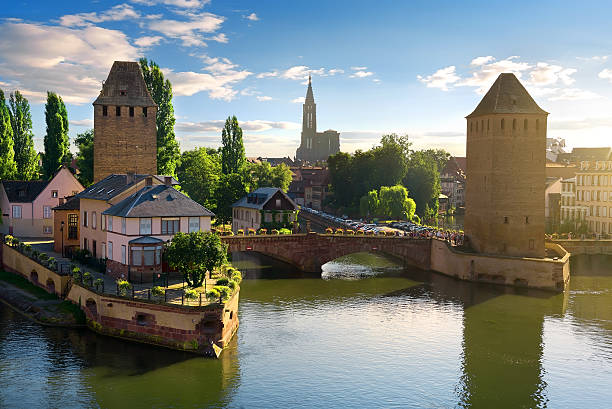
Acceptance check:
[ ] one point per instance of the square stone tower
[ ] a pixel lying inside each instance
(125, 132)
(506, 172)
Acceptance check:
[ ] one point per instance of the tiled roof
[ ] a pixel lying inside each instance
(20, 191)
(507, 96)
(263, 195)
(581, 154)
(158, 201)
(125, 76)
(72, 203)
(112, 185)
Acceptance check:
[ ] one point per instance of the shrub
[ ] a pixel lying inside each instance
(262, 231)
(224, 291)
(231, 284)
(8, 239)
(251, 232)
(158, 291)
(329, 230)
(35, 253)
(284, 231)
(222, 281)
(43, 257)
(240, 232)
(190, 293)
(123, 286)
(52, 263)
(27, 248)
(15, 241)
(213, 295)
(87, 279)
(98, 283)
(236, 276)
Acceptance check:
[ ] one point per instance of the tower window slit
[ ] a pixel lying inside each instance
(117, 111)
(104, 110)
(131, 111)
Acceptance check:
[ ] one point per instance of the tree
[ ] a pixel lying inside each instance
(423, 182)
(56, 139)
(230, 189)
(369, 204)
(168, 151)
(395, 203)
(232, 150)
(85, 157)
(8, 167)
(193, 254)
(264, 175)
(21, 123)
(198, 172)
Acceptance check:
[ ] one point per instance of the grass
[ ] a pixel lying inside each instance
(24, 284)
(70, 308)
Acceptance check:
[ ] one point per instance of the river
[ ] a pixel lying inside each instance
(364, 334)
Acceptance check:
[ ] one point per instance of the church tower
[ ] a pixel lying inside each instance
(125, 132)
(506, 172)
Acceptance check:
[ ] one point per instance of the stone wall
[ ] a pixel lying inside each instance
(576, 247)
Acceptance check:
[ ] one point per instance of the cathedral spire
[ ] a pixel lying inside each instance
(309, 94)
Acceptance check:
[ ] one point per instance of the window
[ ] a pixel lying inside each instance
(84, 219)
(136, 256)
(117, 111)
(109, 223)
(131, 111)
(123, 254)
(505, 219)
(123, 225)
(47, 230)
(123, 92)
(73, 226)
(502, 124)
(514, 124)
(93, 220)
(104, 110)
(149, 256)
(46, 212)
(144, 112)
(103, 223)
(85, 244)
(110, 250)
(526, 219)
(531, 244)
(16, 212)
(145, 225)
(194, 224)
(525, 122)
(169, 226)
(158, 251)
(103, 250)
(537, 124)
(54, 193)
(278, 203)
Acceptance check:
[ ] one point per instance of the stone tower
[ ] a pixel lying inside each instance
(506, 172)
(125, 133)
(315, 146)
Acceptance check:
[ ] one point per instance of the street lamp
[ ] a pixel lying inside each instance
(62, 234)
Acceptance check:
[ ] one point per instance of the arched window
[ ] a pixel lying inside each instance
(488, 124)
(502, 124)
(514, 124)
(471, 126)
(525, 122)
(476, 126)
(537, 124)
(482, 125)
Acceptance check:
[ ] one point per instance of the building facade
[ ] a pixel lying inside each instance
(315, 146)
(27, 206)
(66, 226)
(452, 183)
(552, 204)
(506, 168)
(309, 186)
(125, 132)
(266, 207)
(594, 195)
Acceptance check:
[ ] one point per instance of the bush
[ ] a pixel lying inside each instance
(231, 284)
(275, 232)
(123, 286)
(98, 283)
(87, 279)
(15, 242)
(158, 291)
(240, 232)
(43, 257)
(251, 232)
(8, 239)
(224, 291)
(213, 295)
(284, 231)
(52, 263)
(222, 281)
(27, 249)
(190, 293)
(35, 254)
(262, 231)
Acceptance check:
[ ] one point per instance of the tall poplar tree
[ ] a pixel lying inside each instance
(21, 122)
(8, 167)
(232, 151)
(56, 140)
(85, 157)
(168, 152)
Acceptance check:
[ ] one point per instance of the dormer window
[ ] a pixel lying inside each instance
(21, 193)
(123, 92)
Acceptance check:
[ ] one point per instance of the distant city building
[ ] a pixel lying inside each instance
(27, 206)
(125, 132)
(570, 210)
(66, 225)
(594, 194)
(506, 168)
(315, 146)
(578, 155)
(552, 203)
(272, 161)
(309, 187)
(266, 207)
(554, 147)
(452, 182)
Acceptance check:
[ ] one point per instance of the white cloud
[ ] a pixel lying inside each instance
(263, 98)
(486, 73)
(188, 4)
(606, 74)
(70, 61)
(547, 74)
(252, 17)
(361, 74)
(597, 58)
(335, 71)
(582, 123)
(116, 13)
(220, 38)
(82, 122)
(191, 31)
(267, 74)
(147, 41)
(482, 60)
(359, 68)
(441, 78)
(573, 94)
(217, 125)
(298, 100)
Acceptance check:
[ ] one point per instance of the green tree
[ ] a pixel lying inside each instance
(85, 157)
(232, 150)
(264, 175)
(168, 151)
(56, 139)
(395, 203)
(194, 254)
(8, 167)
(423, 182)
(21, 123)
(369, 204)
(230, 189)
(198, 172)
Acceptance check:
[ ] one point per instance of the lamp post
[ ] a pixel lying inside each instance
(62, 233)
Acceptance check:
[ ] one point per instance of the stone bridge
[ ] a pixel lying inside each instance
(309, 252)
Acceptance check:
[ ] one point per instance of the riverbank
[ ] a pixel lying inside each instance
(37, 304)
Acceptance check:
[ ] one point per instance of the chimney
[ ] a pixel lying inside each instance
(62, 201)
(129, 178)
(168, 180)
(149, 181)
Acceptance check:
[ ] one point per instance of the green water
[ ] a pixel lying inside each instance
(364, 334)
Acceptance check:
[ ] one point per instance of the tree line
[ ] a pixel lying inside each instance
(388, 180)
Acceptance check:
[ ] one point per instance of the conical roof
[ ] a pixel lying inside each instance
(309, 94)
(125, 86)
(507, 96)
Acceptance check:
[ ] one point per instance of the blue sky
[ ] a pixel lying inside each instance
(388, 66)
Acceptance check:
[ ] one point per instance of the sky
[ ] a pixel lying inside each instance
(409, 67)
